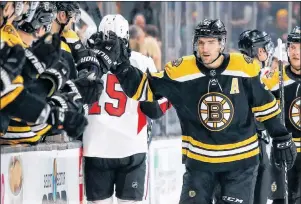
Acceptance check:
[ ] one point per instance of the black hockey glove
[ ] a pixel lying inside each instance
(124, 60)
(72, 122)
(43, 54)
(88, 64)
(47, 49)
(74, 112)
(107, 49)
(284, 151)
(125, 52)
(90, 89)
(12, 60)
(56, 118)
(57, 75)
(71, 101)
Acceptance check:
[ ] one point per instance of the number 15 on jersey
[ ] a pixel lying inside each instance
(111, 95)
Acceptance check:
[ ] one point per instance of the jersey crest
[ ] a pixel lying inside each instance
(295, 113)
(215, 111)
(177, 62)
(248, 59)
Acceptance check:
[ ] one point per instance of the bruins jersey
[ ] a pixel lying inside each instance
(19, 131)
(9, 35)
(292, 98)
(216, 107)
(67, 55)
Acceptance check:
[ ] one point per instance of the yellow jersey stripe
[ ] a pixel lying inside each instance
(220, 147)
(264, 107)
(150, 96)
(43, 131)
(18, 129)
(140, 88)
(221, 159)
(297, 139)
(8, 98)
(266, 117)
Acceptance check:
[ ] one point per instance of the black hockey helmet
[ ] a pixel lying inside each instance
(72, 9)
(44, 15)
(294, 35)
(210, 29)
(251, 40)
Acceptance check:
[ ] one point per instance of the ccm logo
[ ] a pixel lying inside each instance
(234, 200)
(284, 145)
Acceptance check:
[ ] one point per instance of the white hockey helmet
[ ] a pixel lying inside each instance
(116, 23)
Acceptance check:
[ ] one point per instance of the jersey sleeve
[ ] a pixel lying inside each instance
(143, 86)
(10, 93)
(264, 104)
(31, 107)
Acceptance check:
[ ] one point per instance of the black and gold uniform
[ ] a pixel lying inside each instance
(250, 41)
(18, 130)
(216, 109)
(292, 110)
(292, 117)
(8, 35)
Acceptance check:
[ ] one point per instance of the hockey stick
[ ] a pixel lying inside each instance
(282, 108)
(149, 132)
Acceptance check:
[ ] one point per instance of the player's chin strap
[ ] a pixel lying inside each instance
(62, 25)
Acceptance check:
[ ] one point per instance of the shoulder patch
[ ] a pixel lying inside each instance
(177, 62)
(10, 30)
(248, 59)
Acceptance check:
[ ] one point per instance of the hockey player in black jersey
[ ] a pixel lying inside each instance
(216, 96)
(258, 45)
(41, 82)
(292, 108)
(86, 73)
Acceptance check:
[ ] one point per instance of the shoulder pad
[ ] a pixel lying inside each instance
(10, 35)
(242, 66)
(70, 36)
(183, 69)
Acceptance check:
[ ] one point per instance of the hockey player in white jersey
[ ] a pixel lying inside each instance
(115, 141)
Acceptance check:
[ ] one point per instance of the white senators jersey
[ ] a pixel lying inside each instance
(117, 128)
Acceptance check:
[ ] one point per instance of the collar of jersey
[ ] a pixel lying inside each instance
(291, 74)
(219, 70)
